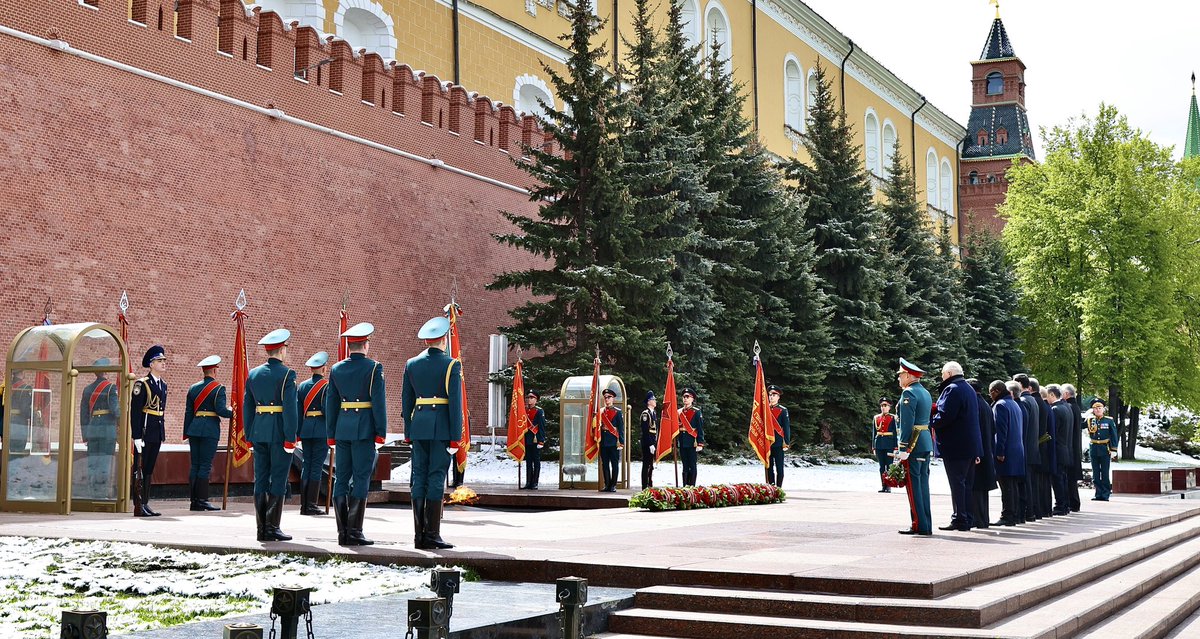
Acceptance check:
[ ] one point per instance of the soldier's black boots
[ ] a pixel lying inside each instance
(418, 508)
(432, 539)
(199, 496)
(341, 514)
(271, 509)
(146, 499)
(356, 510)
(309, 494)
(260, 515)
(537, 476)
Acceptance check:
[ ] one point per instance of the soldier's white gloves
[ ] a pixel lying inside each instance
(299, 446)
(652, 447)
(904, 455)
(452, 451)
(540, 445)
(138, 445)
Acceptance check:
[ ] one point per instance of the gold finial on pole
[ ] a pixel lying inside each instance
(1193, 83)
(995, 3)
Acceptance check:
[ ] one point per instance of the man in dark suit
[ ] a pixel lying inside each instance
(1033, 463)
(202, 414)
(1009, 450)
(1075, 466)
(985, 469)
(146, 409)
(270, 416)
(535, 439)
(1046, 450)
(1063, 423)
(956, 425)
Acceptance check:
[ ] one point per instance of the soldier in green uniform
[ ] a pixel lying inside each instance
(1102, 449)
(915, 444)
(99, 408)
(783, 435)
(432, 409)
(147, 406)
(612, 440)
(535, 439)
(691, 436)
(271, 422)
(206, 405)
(884, 440)
(356, 423)
(313, 433)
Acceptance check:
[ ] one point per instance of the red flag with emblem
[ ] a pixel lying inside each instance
(464, 443)
(518, 417)
(241, 371)
(591, 444)
(668, 427)
(762, 420)
(41, 396)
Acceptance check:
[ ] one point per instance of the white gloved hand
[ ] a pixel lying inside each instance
(652, 447)
(299, 446)
(452, 451)
(138, 445)
(378, 445)
(904, 455)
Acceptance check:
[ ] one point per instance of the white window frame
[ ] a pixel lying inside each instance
(872, 163)
(795, 121)
(388, 49)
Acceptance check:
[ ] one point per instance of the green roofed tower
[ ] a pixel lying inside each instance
(1191, 145)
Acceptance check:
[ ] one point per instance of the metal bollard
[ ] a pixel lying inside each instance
(289, 605)
(428, 617)
(243, 631)
(84, 624)
(571, 594)
(445, 582)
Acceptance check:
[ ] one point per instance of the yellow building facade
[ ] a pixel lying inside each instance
(498, 48)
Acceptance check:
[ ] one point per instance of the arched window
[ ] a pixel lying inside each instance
(306, 12)
(526, 93)
(946, 181)
(1001, 136)
(716, 25)
(793, 86)
(689, 15)
(871, 145)
(365, 25)
(973, 177)
(931, 178)
(981, 137)
(889, 146)
(995, 83)
(811, 94)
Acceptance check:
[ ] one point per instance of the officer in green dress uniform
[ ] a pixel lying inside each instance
(691, 436)
(146, 408)
(313, 433)
(356, 424)
(206, 405)
(271, 423)
(1102, 449)
(612, 440)
(99, 408)
(884, 440)
(535, 438)
(432, 409)
(783, 435)
(915, 444)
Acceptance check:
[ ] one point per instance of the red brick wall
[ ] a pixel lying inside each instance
(116, 182)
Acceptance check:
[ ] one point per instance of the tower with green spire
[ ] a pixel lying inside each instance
(1191, 145)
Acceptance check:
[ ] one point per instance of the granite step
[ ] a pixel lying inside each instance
(1155, 615)
(1080, 609)
(1188, 629)
(974, 607)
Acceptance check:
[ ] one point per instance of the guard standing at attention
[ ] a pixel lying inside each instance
(1102, 449)
(915, 445)
(691, 437)
(146, 424)
(356, 423)
(99, 408)
(612, 440)
(535, 439)
(313, 433)
(432, 409)
(206, 405)
(885, 440)
(271, 423)
(783, 435)
(649, 440)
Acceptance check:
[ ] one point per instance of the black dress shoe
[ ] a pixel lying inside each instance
(950, 527)
(910, 531)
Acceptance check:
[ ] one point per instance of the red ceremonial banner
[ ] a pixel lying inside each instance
(591, 444)
(343, 324)
(762, 420)
(464, 443)
(518, 417)
(241, 371)
(668, 427)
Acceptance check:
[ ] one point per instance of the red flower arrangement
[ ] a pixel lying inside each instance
(896, 476)
(717, 496)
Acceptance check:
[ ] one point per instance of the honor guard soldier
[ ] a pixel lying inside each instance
(356, 423)
(313, 433)
(147, 427)
(884, 440)
(206, 405)
(783, 434)
(915, 445)
(99, 408)
(1102, 449)
(691, 438)
(649, 427)
(535, 438)
(271, 423)
(432, 408)
(612, 440)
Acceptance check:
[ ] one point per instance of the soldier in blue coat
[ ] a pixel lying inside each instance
(691, 436)
(432, 409)
(915, 444)
(99, 408)
(612, 440)
(1008, 450)
(535, 439)
(206, 405)
(356, 423)
(271, 422)
(1102, 449)
(783, 436)
(313, 433)
(146, 409)
(884, 439)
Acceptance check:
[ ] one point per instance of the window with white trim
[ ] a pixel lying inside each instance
(946, 181)
(527, 90)
(793, 84)
(689, 17)
(365, 25)
(716, 25)
(811, 83)
(871, 145)
(889, 147)
(931, 178)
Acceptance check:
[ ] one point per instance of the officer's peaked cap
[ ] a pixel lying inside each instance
(275, 339)
(317, 360)
(435, 328)
(155, 352)
(910, 368)
(608, 392)
(210, 361)
(359, 332)
(533, 393)
(771, 388)
(650, 396)
(688, 391)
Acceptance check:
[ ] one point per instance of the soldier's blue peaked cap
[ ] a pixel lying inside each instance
(155, 352)
(359, 331)
(317, 360)
(434, 329)
(532, 393)
(650, 396)
(211, 360)
(910, 368)
(275, 338)
(103, 361)
(774, 389)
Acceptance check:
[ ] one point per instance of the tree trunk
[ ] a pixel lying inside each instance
(1130, 434)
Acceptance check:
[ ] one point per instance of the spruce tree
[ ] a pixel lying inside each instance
(593, 290)
(846, 231)
(991, 321)
(947, 299)
(909, 255)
